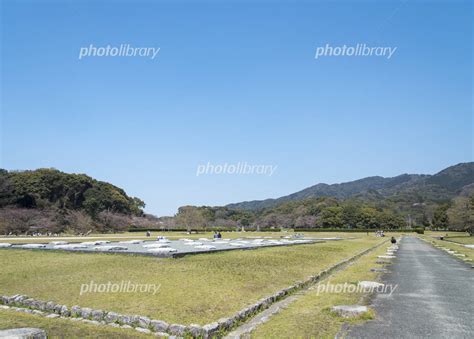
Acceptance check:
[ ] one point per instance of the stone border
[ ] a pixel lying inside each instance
(226, 324)
(144, 324)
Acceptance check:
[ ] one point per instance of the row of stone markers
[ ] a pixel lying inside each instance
(456, 254)
(144, 324)
(351, 311)
(452, 252)
(391, 252)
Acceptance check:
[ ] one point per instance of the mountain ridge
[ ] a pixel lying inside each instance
(446, 183)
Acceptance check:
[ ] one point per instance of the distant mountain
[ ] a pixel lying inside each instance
(438, 187)
(454, 178)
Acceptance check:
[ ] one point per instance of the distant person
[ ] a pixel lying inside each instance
(393, 240)
(219, 235)
(148, 234)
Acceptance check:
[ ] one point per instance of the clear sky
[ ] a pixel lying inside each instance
(235, 81)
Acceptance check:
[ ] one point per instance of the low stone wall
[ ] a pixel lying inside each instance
(225, 324)
(99, 317)
(144, 324)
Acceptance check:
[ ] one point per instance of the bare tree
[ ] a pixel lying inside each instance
(22, 220)
(110, 221)
(190, 217)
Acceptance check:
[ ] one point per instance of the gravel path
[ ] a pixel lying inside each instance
(434, 298)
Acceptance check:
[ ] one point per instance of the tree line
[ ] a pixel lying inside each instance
(332, 213)
(47, 200)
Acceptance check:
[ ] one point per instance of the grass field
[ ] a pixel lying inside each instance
(310, 316)
(465, 240)
(194, 289)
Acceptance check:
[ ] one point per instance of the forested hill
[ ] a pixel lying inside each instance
(442, 186)
(46, 188)
(53, 201)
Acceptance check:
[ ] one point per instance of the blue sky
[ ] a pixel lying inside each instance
(235, 81)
